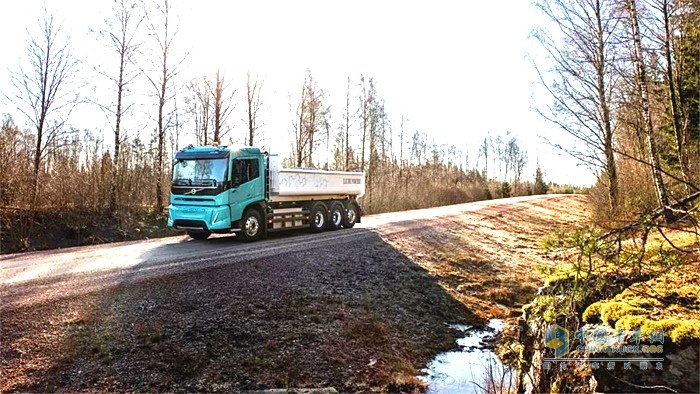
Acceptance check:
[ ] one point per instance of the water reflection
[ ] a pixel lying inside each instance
(473, 368)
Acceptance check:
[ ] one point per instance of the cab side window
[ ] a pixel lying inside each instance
(245, 170)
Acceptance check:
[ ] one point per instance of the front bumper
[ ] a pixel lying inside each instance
(190, 217)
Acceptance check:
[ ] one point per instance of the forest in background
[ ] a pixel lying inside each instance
(62, 186)
(624, 79)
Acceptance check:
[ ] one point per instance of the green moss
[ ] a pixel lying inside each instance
(592, 313)
(549, 316)
(546, 301)
(661, 283)
(629, 311)
(676, 329)
(555, 279)
(544, 307)
(630, 322)
(563, 276)
(611, 312)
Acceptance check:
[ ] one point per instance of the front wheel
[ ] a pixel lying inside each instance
(352, 213)
(251, 225)
(199, 235)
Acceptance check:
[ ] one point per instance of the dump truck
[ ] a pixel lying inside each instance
(217, 189)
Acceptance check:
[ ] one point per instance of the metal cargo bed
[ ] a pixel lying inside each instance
(289, 182)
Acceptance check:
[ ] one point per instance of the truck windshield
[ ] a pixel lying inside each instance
(199, 172)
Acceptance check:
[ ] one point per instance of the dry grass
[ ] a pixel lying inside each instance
(491, 261)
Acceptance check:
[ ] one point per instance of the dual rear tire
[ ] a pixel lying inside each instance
(318, 217)
(352, 214)
(338, 216)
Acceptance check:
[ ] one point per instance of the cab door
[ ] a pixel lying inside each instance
(247, 184)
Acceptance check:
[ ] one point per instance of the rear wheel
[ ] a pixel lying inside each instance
(318, 219)
(336, 216)
(251, 225)
(199, 235)
(352, 213)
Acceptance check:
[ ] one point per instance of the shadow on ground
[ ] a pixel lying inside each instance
(351, 314)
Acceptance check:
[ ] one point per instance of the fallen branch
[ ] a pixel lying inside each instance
(654, 215)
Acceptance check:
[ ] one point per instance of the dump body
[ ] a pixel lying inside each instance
(215, 189)
(302, 182)
(289, 182)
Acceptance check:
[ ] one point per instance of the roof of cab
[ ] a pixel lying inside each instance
(215, 151)
(246, 150)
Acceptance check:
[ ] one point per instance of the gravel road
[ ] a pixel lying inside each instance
(165, 254)
(97, 266)
(297, 309)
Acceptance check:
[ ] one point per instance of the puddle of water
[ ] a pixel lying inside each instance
(465, 370)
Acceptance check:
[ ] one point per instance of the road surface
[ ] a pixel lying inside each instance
(102, 265)
(351, 309)
(163, 254)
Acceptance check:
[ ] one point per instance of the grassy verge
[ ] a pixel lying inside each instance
(20, 231)
(639, 286)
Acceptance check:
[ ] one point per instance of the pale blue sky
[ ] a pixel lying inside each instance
(455, 69)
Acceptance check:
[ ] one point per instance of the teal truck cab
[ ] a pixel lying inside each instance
(216, 189)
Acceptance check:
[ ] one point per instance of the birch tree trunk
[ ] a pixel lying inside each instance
(659, 185)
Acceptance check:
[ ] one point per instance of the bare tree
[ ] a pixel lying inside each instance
(222, 104)
(687, 56)
(120, 33)
(253, 105)
(309, 120)
(316, 114)
(585, 81)
(177, 132)
(401, 133)
(364, 117)
(663, 7)
(498, 150)
(484, 151)
(326, 127)
(516, 159)
(640, 67)
(45, 91)
(349, 121)
(300, 138)
(161, 30)
(299, 141)
(198, 105)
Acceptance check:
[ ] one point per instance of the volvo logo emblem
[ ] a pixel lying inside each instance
(194, 191)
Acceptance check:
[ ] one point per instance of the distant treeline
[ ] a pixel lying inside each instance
(76, 173)
(51, 166)
(76, 176)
